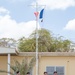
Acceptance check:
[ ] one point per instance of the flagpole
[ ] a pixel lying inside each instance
(37, 53)
(37, 62)
(37, 36)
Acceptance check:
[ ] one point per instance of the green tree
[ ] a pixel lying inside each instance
(60, 45)
(7, 42)
(29, 44)
(23, 67)
(46, 42)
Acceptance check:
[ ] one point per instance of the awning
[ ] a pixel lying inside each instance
(6, 50)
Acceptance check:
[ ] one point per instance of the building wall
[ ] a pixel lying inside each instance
(3, 64)
(68, 62)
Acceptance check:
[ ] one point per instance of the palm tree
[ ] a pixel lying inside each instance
(23, 67)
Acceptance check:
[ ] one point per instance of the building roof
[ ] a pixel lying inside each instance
(47, 53)
(13, 51)
(6, 50)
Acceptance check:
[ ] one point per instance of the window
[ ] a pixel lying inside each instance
(31, 71)
(51, 69)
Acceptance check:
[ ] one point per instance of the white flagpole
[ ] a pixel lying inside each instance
(37, 62)
(37, 36)
(37, 56)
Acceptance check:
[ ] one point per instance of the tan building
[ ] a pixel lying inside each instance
(62, 62)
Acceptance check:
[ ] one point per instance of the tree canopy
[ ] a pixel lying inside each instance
(46, 42)
(7, 42)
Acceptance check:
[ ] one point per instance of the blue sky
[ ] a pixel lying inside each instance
(17, 18)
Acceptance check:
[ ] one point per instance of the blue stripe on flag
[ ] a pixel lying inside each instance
(41, 14)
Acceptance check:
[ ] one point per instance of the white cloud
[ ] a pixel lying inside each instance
(3, 10)
(11, 29)
(13, 1)
(56, 4)
(70, 25)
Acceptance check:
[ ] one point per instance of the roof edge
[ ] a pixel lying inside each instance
(47, 53)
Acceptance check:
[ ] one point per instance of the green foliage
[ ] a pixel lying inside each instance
(7, 42)
(24, 67)
(46, 43)
(60, 45)
(29, 45)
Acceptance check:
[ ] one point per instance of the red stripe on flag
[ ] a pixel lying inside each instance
(36, 14)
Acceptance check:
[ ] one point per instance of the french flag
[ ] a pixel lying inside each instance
(41, 15)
